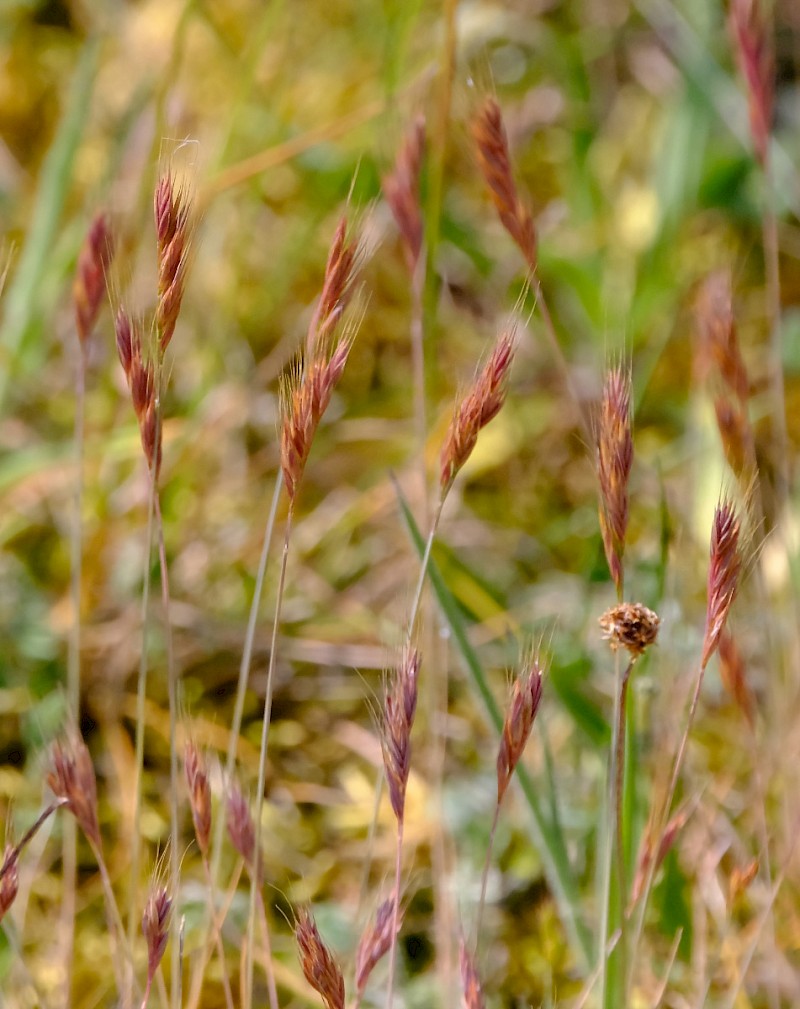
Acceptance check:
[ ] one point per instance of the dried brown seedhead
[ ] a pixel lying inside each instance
(490, 137)
(631, 626)
(155, 926)
(398, 717)
(199, 794)
(174, 218)
(375, 942)
(71, 777)
(614, 462)
(723, 575)
(401, 190)
(526, 694)
(89, 287)
(319, 966)
(481, 404)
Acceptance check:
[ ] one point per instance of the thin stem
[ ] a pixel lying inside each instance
(115, 926)
(226, 984)
(31, 832)
(172, 691)
(395, 913)
(608, 855)
(141, 698)
(485, 876)
(773, 296)
(418, 366)
(417, 598)
(271, 986)
(262, 762)
(216, 923)
(619, 787)
(70, 836)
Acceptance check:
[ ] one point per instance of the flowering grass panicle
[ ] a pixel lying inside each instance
(89, 287)
(401, 190)
(399, 709)
(526, 695)
(155, 926)
(481, 404)
(173, 211)
(614, 462)
(375, 942)
(194, 766)
(71, 777)
(723, 575)
(491, 140)
(318, 963)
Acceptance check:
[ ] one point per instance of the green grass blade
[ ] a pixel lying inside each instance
(22, 299)
(546, 834)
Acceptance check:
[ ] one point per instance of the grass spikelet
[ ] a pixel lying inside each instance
(71, 777)
(337, 289)
(241, 828)
(401, 191)
(305, 401)
(196, 772)
(375, 942)
(614, 460)
(400, 707)
(754, 56)
(89, 286)
(471, 991)
(481, 404)
(9, 880)
(173, 211)
(489, 133)
(734, 680)
(717, 329)
(319, 965)
(723, 575)
(526, 694)
(155, 927)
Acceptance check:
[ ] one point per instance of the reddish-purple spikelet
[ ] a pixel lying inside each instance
(89, 287)
(733, 677)
(71, 777)
(155, 926)
(614, 461)
(304, 402)
(481, 404)
(752, 45)
(717, 327)
(241, 827)
(337, 289)
(399, 708)
(526, 695)
(401, 190)
(9, 879)
(375, 942)
(472, 993)
(319, 966)
(172, 206)
(199, 794)
(723, 575)
(668, 838)
(494, 160)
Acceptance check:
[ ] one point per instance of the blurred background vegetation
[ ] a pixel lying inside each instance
(628, 125)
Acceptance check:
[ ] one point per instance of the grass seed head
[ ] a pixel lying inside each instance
(375, 942)
(489, 133)
(155, 926)
(481, 404)
(399, 709)
(319, 966)
(472, 993)
(526, 695)
(241, 827)
(631, 626)
(723, 575)
(89, 286)
(614, 461)
(71, 777)
(734, 679)
(199, 794)
(337, 289)
(401, 191)
(754, 55)
(174, 217)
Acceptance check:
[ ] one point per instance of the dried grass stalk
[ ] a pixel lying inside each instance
(89, 286)
(490, 137)
(319, 965)
(614, 461)
(481, 404)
